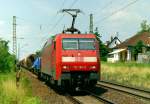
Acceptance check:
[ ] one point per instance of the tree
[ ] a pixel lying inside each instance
(98, 36)
(138, 48)
(103, 49)
(6, 59)
(144, 27)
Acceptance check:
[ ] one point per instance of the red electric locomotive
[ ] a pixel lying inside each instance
(71, 60)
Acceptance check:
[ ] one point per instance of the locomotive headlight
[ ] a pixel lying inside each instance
(64, 67)
(93, 67)
(80, 67)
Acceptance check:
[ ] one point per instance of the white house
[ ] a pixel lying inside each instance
(116, 55)
(124, 51)
(114, 42)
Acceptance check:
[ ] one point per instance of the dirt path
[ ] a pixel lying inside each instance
(46, 94)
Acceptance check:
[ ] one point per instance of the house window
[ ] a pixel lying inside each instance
(111, 55)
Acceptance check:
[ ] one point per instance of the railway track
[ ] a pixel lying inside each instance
(73, 99)
(129, 90)
(105, 101)
(78, 99)
(89, 99)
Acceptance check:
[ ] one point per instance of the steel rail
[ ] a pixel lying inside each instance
(126, 89)
(72, 99)
(142, 90)
(105, 101)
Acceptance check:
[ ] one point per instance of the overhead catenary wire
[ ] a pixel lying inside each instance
(60, 19)
(73, 3)
(117, 11)
(105, 6)
(54, 17)
(27, 21)
(40, 25)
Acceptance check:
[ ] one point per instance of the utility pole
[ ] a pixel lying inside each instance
(18, 52)
(14, 37)
(91, 24)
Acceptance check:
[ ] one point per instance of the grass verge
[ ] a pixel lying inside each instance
(131, 74)
(10, 94)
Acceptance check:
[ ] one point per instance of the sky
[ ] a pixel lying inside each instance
(37, 20)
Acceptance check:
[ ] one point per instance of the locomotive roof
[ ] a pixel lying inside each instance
(75, 36)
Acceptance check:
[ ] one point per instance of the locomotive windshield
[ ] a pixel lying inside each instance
(70, 43)
(78, 44)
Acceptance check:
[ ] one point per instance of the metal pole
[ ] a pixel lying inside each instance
(18, 52)
(91, 23)
(14, 37)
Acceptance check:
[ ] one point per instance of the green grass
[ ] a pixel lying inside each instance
(126, 64)
(131, 74)
(10, 94)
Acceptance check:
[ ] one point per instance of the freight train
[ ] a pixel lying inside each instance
(28, 61)
(70, 60)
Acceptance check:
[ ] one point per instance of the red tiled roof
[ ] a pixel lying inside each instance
(145, 37)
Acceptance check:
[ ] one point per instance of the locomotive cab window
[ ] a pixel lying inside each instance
(87, 44)
(70, 44)
(78, 44)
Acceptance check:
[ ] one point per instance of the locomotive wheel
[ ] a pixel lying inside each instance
(93, 83)
(39, 75)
